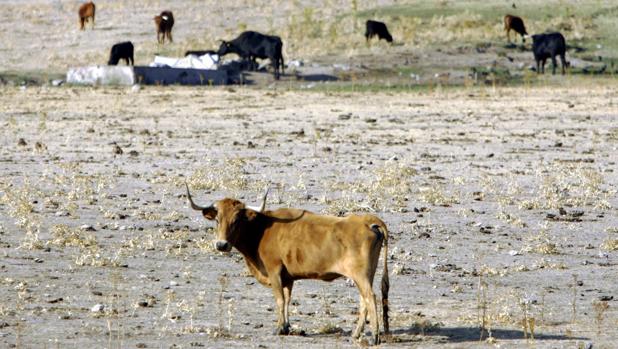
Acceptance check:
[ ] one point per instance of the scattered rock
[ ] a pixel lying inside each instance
(38, 146)
(117, 150)
(345, 116)
(295, 64)
(97, 308)
(87, 227)
(133, 153)
(22, 142)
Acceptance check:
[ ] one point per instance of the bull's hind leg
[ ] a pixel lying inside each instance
(169, 36)
(564, 63)
(362, 318)
(366, 291)
(554, 63)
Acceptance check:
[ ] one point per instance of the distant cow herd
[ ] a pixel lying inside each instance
(251, 45)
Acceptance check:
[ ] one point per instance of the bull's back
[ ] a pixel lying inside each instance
(86, 10)
(321, 247)
(549, 44)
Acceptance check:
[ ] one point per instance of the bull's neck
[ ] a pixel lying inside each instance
(250, 236)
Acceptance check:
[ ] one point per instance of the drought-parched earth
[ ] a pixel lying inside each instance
(501, 205)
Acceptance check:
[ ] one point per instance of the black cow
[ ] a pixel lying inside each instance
(200, 53)
(546, 46)
(122, 50)
(517, 24)
(374, 28)
(251, 45)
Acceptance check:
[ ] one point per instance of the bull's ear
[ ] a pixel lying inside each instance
(250, 215)
(209, 213)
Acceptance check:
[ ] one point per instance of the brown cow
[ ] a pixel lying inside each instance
(164, 23)
(86, 11)
(286, 245)
(517, 24)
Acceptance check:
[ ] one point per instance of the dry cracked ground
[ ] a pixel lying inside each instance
(501, 205)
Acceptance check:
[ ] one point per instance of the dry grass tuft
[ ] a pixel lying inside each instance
(232, 176)
(542, 242)
(610, 245)
(387, 189)
(569, 185)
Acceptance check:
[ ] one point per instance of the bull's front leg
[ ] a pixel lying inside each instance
(287, 296)
(283, 327)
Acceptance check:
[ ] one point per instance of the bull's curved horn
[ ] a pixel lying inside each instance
(193, 204)
(263, 205)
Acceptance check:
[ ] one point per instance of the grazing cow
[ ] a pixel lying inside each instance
(250, 45)
(121, 50)
(200, 53)
(164, 23)
(286, 245)
(86, 11)
(374, 28)
(546, 46)
(517, 24)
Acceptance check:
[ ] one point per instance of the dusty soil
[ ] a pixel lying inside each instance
(501, 205)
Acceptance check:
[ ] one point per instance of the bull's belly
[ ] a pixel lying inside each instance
(328, 276)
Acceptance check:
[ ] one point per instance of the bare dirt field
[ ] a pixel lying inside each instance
(498, 186)
(498, 219)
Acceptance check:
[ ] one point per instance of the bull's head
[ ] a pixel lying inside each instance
(231, 216)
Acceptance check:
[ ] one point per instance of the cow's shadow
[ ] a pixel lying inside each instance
(316, 77)
(472, 334)
(450, 335)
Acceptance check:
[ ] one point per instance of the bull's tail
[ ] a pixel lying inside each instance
(385, 285)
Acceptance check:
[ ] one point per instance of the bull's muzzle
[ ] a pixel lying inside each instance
(223, 246)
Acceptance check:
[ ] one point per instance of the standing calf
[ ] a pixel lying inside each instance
(86, 11)
(549, 46)
(373, 28)
(516, 24)
(122, 50)
(164, 23)
(285, 245)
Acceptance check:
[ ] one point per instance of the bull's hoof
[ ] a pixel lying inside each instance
(283, 330)
(374, 340)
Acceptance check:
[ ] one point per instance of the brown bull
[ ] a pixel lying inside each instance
(164, 23)
(516, 24)
(286, 245)
(86, 11)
